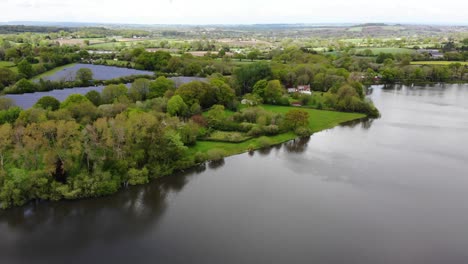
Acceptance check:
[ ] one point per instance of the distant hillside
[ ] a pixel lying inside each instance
(371, 25)
(11, 29)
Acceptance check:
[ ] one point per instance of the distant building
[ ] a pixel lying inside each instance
(433, 53)
(248, 102)
(302, 89)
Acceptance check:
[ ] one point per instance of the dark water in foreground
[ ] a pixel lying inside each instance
(394, 190)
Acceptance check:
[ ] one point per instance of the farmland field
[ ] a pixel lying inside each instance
(438, 62)
(80, 42)
(376, 51)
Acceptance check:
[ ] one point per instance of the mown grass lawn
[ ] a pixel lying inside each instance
(319, 120)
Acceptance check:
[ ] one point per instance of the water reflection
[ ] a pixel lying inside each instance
(297, 145)
(365, 123)
(265, 151)
(119, 217)
(216, 164)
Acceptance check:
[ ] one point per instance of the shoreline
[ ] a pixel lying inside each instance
(233, 149)
(253, 144)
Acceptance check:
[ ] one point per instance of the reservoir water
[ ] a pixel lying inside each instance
(28, 100)
(391, 190)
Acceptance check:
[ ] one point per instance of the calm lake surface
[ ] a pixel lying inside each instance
(392, 190)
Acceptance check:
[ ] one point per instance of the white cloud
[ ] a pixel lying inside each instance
(235, 12)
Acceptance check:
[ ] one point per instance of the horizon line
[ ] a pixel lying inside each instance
(18, 23)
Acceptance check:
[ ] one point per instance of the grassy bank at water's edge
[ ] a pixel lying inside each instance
(319, 120)
(53, 71)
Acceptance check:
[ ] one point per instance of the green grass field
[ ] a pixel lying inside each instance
(106, 45)
(438, 62)
(128, 43)
(10, 65)
(52, 72)
(319, 120)
(6, 64)
(376, 51)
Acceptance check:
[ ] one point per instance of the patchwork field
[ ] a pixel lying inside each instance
(438, 62)
(376, 51)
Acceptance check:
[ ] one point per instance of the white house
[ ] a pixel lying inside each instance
(302, 89)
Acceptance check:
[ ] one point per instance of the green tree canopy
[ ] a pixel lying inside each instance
(112, 92)
(176, 106)
(140, 89)
(159, 86)
(7, 77)
(197, 92)
(259, 88)
(246, 76)
(84, 75)
(296, 118)
(273, 92)
(48, 102)
(25, 68)
(94, 97)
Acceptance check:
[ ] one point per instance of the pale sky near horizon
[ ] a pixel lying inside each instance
(236, 11)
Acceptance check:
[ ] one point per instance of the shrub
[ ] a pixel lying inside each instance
(296, 118)
(255, 131)
(271, 129)
(200, 120)
(200, 157)
(284, 100)
(264, 142)
(302, 131)
(215, 154)
(10, 115)
(306, 99)
(22, 86)
(136, 177)
(245, 127)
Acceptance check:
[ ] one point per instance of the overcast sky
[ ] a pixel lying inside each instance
(236, 11)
